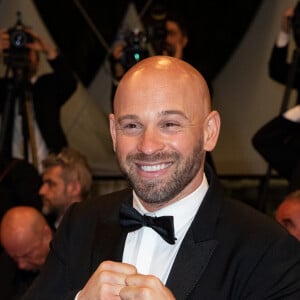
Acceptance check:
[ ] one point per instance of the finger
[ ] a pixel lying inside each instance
(143, 280)
(123, 268)
(111, 290)
(145, 287)
(111, 277)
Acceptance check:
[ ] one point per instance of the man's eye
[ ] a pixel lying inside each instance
(170, 124)
(130, 128)
(173, 126)
(288, 224)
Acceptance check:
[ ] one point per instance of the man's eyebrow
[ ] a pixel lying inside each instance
(160, 114)
(173, 112)
(127, 117)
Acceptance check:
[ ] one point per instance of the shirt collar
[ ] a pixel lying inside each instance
(183, 210)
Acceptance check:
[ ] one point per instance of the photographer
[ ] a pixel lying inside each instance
(174, 35)
(48, 93)
(278, 141)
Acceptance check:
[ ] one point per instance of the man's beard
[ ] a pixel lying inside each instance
(48, 208)
(161, 190)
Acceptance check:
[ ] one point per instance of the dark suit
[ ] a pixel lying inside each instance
(49, 93)
(231, 251)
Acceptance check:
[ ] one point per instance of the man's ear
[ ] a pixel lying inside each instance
(74, 188)
(211, 130)
(185, 41)
(47, 233)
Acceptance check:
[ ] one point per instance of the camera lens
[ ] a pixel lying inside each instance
(18, 38)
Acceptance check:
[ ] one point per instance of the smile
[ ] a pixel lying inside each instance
(155, 168)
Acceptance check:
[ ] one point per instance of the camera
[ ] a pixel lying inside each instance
(17, 55)
(137, 42)
(135, 47)
(19, 38)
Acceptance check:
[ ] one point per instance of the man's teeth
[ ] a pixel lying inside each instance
(155, 167)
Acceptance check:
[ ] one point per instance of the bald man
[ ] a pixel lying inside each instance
(25, 237)
(174, 235)
(288, 213)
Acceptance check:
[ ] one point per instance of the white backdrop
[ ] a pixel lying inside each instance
(244, 95)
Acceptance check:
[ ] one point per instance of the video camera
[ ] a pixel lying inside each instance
(17, 55)
(135, 47)
(137, 42)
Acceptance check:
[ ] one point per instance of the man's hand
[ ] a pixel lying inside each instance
(286, 19)
(4, 39)
(120, 281)
(39, 44)
(146, 287)
(107, 281)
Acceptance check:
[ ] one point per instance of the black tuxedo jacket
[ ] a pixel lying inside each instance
(49, 93)
(231, 251)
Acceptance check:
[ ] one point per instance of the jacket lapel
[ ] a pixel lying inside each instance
(194, 254)
(199, 243)
(109, 238)
(189, 269)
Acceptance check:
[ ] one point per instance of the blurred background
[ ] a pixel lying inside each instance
(229, 42)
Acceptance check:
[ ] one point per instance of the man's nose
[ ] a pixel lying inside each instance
(150, 141)
(22, 264)
(42, 189)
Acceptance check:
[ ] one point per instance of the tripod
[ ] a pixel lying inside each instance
(19, 97)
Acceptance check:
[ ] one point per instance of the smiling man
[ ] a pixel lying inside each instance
(174, 235)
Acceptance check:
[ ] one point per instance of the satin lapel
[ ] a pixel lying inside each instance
(189, 266)
(199, 243)
(108, 236)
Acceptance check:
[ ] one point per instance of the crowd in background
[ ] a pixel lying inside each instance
(42, 176)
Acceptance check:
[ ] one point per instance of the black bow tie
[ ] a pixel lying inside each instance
(132, 220)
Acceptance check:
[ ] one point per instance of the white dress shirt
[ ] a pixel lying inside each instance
(145, 248)
(282, 39)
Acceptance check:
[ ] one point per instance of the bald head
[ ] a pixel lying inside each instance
(288, 213)
(160, 76)
(162, 127)
(25, 235)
